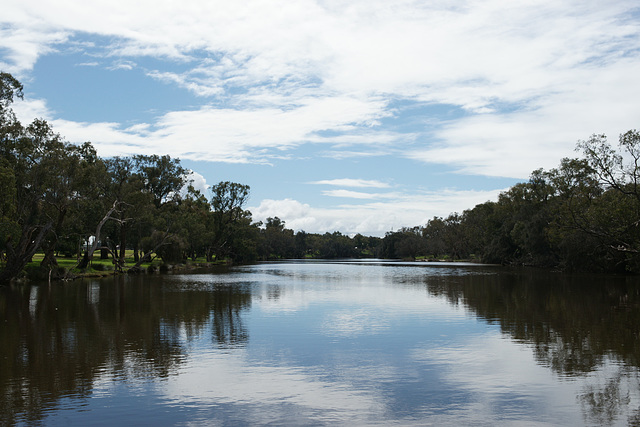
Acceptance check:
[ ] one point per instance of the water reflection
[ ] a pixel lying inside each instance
(577, 326)
(58, 340)
(324, 344)
(573, 321)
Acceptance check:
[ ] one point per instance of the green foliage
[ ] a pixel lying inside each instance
(171, 251)
(584, 215)
(227, 201)
(57, 197)
(9, 227)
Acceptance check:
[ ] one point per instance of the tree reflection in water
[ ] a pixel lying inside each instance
(58, 340)
(576, 324)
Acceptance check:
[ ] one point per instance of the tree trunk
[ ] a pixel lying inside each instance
(18, 257)
(49, 261)
(89, 254)
(123, 243)
(147, 255)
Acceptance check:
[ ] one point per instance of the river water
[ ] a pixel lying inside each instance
(324, 343)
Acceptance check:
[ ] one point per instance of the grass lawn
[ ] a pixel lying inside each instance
(98, 267)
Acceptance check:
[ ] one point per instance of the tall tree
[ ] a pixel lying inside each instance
(227, 201)
(42, 193)
(615, 215)
(279, 242)
(162, 177)
(10, 129)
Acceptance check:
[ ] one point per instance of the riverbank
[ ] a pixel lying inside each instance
(67, 268)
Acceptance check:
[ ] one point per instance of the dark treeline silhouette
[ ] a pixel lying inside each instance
(573, 323)
(65, 341)
(63, 199)
(583, 215)
(67, 337)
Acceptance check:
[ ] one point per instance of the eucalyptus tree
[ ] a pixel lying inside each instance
(227, 201)
(616, 169)
(73, 171)
(195, 218)
(27, 155)
(145, 191)
(278, 241)
(411, 244)
(128, 204)
(44, 191)
(10, 129)
(614, 217)
(161, 176)
(433, 233)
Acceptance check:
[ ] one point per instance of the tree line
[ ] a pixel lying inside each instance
(583, 215)
(63, 199)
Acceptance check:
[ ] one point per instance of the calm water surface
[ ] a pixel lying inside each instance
(321, 343)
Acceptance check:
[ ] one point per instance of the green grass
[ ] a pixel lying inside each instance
(97, 267)
(103, 267)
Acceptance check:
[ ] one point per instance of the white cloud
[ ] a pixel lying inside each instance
(215, 378)
(491, 367)
(122, 65)
(319, 66)
(350, 182)
(199, 88)
(216, 134)
(524, 81)
(514, 144)
(356, 194)
(25, 46)
(198, 182)
(374, 218)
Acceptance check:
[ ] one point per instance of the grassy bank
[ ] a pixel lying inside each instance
(68, 267)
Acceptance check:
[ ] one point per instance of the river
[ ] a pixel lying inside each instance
(324, 343)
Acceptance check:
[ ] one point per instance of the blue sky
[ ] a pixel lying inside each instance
(355, 116)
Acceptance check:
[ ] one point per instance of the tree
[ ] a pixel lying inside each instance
(10, 88)
(279, 242)
(41, 194)
(161, 176)
(126, 189)
(72, 172)
(614, 217)
(479, 227)
(146, 191)
(194, 220)
(411, 244)
(433, 233)
(616, 170)
(227, 201)
(8, 224)
(10, 128)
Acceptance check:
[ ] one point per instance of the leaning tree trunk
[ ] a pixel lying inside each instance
(147, 256)
(123, 243)
(49, 261)
(89, 255)
(18, 257)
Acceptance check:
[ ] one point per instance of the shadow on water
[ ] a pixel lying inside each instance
(57, 340)
(574, 324)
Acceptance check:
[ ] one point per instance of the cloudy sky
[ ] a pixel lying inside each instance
(354, 115)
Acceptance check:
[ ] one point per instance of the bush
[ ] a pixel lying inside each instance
(171, 251)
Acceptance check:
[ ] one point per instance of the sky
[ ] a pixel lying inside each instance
(358, 116)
